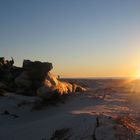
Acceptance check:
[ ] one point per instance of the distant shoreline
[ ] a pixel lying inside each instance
(102, 78)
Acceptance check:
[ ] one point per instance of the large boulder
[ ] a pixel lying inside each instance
(37, 70)
(52, 83)
(46, 93)
(23, 80)
(77, 88)
(34, 77)
(2, 85)
(52, 87)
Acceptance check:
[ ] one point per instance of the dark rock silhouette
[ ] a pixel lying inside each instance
(37, 70)
(34, 78)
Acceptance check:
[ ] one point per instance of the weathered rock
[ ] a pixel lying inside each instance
(3, 86)
(77, 88)
(46, 93)
(69, 87)
(48, 84)
(16, 71)
(25, 91)
(8, 72)
(106, 132)
(2, 92)
(80, 89)
(37, 70)
(34, 77)
(6, 63)
(48, 90)
(109, 129)
(52, 78)
(2, 60)
(52, 84)
(23, 80)
(61, 88)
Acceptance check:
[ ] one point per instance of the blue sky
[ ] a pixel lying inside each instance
(82, 38)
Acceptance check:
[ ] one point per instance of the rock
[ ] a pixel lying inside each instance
(33, 77)
(23, 80)
(2, 60)
(74, 86)
(110, 129)
(8, 72)
(106, 133)
(61, 88)
(25, 91)
(2, 86)
(62, 134)
(52, 78)
(3, 89)
(69, 87)
(8, 76)
(55, 87)
(37, 70)
(52, 84)
(48, 84)
(80, 89)
(46, 93)
(48, 90)
(77, 88)
(16, 71)
(6, 63)
(2, 92)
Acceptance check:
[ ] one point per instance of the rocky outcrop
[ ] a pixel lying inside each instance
(23, 80)
(33, 75)
(34, 78)
(56, 87)
(37, 70)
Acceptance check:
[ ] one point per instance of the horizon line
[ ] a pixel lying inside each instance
(102, 77)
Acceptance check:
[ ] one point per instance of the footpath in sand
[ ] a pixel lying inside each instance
(105, 113)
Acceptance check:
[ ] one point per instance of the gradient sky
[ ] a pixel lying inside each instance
(82, 38)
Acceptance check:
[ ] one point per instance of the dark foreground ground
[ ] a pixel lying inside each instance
(109, 110)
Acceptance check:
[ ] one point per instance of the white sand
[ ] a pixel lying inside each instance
(78, 113)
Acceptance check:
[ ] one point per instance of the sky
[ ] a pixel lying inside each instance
(82, 38)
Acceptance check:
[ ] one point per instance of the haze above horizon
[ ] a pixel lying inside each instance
(82, 38)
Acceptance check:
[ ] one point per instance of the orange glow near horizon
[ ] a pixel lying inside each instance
(103, 74)
(126, 65)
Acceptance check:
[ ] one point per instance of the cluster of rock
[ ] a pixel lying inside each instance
(34, 78)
